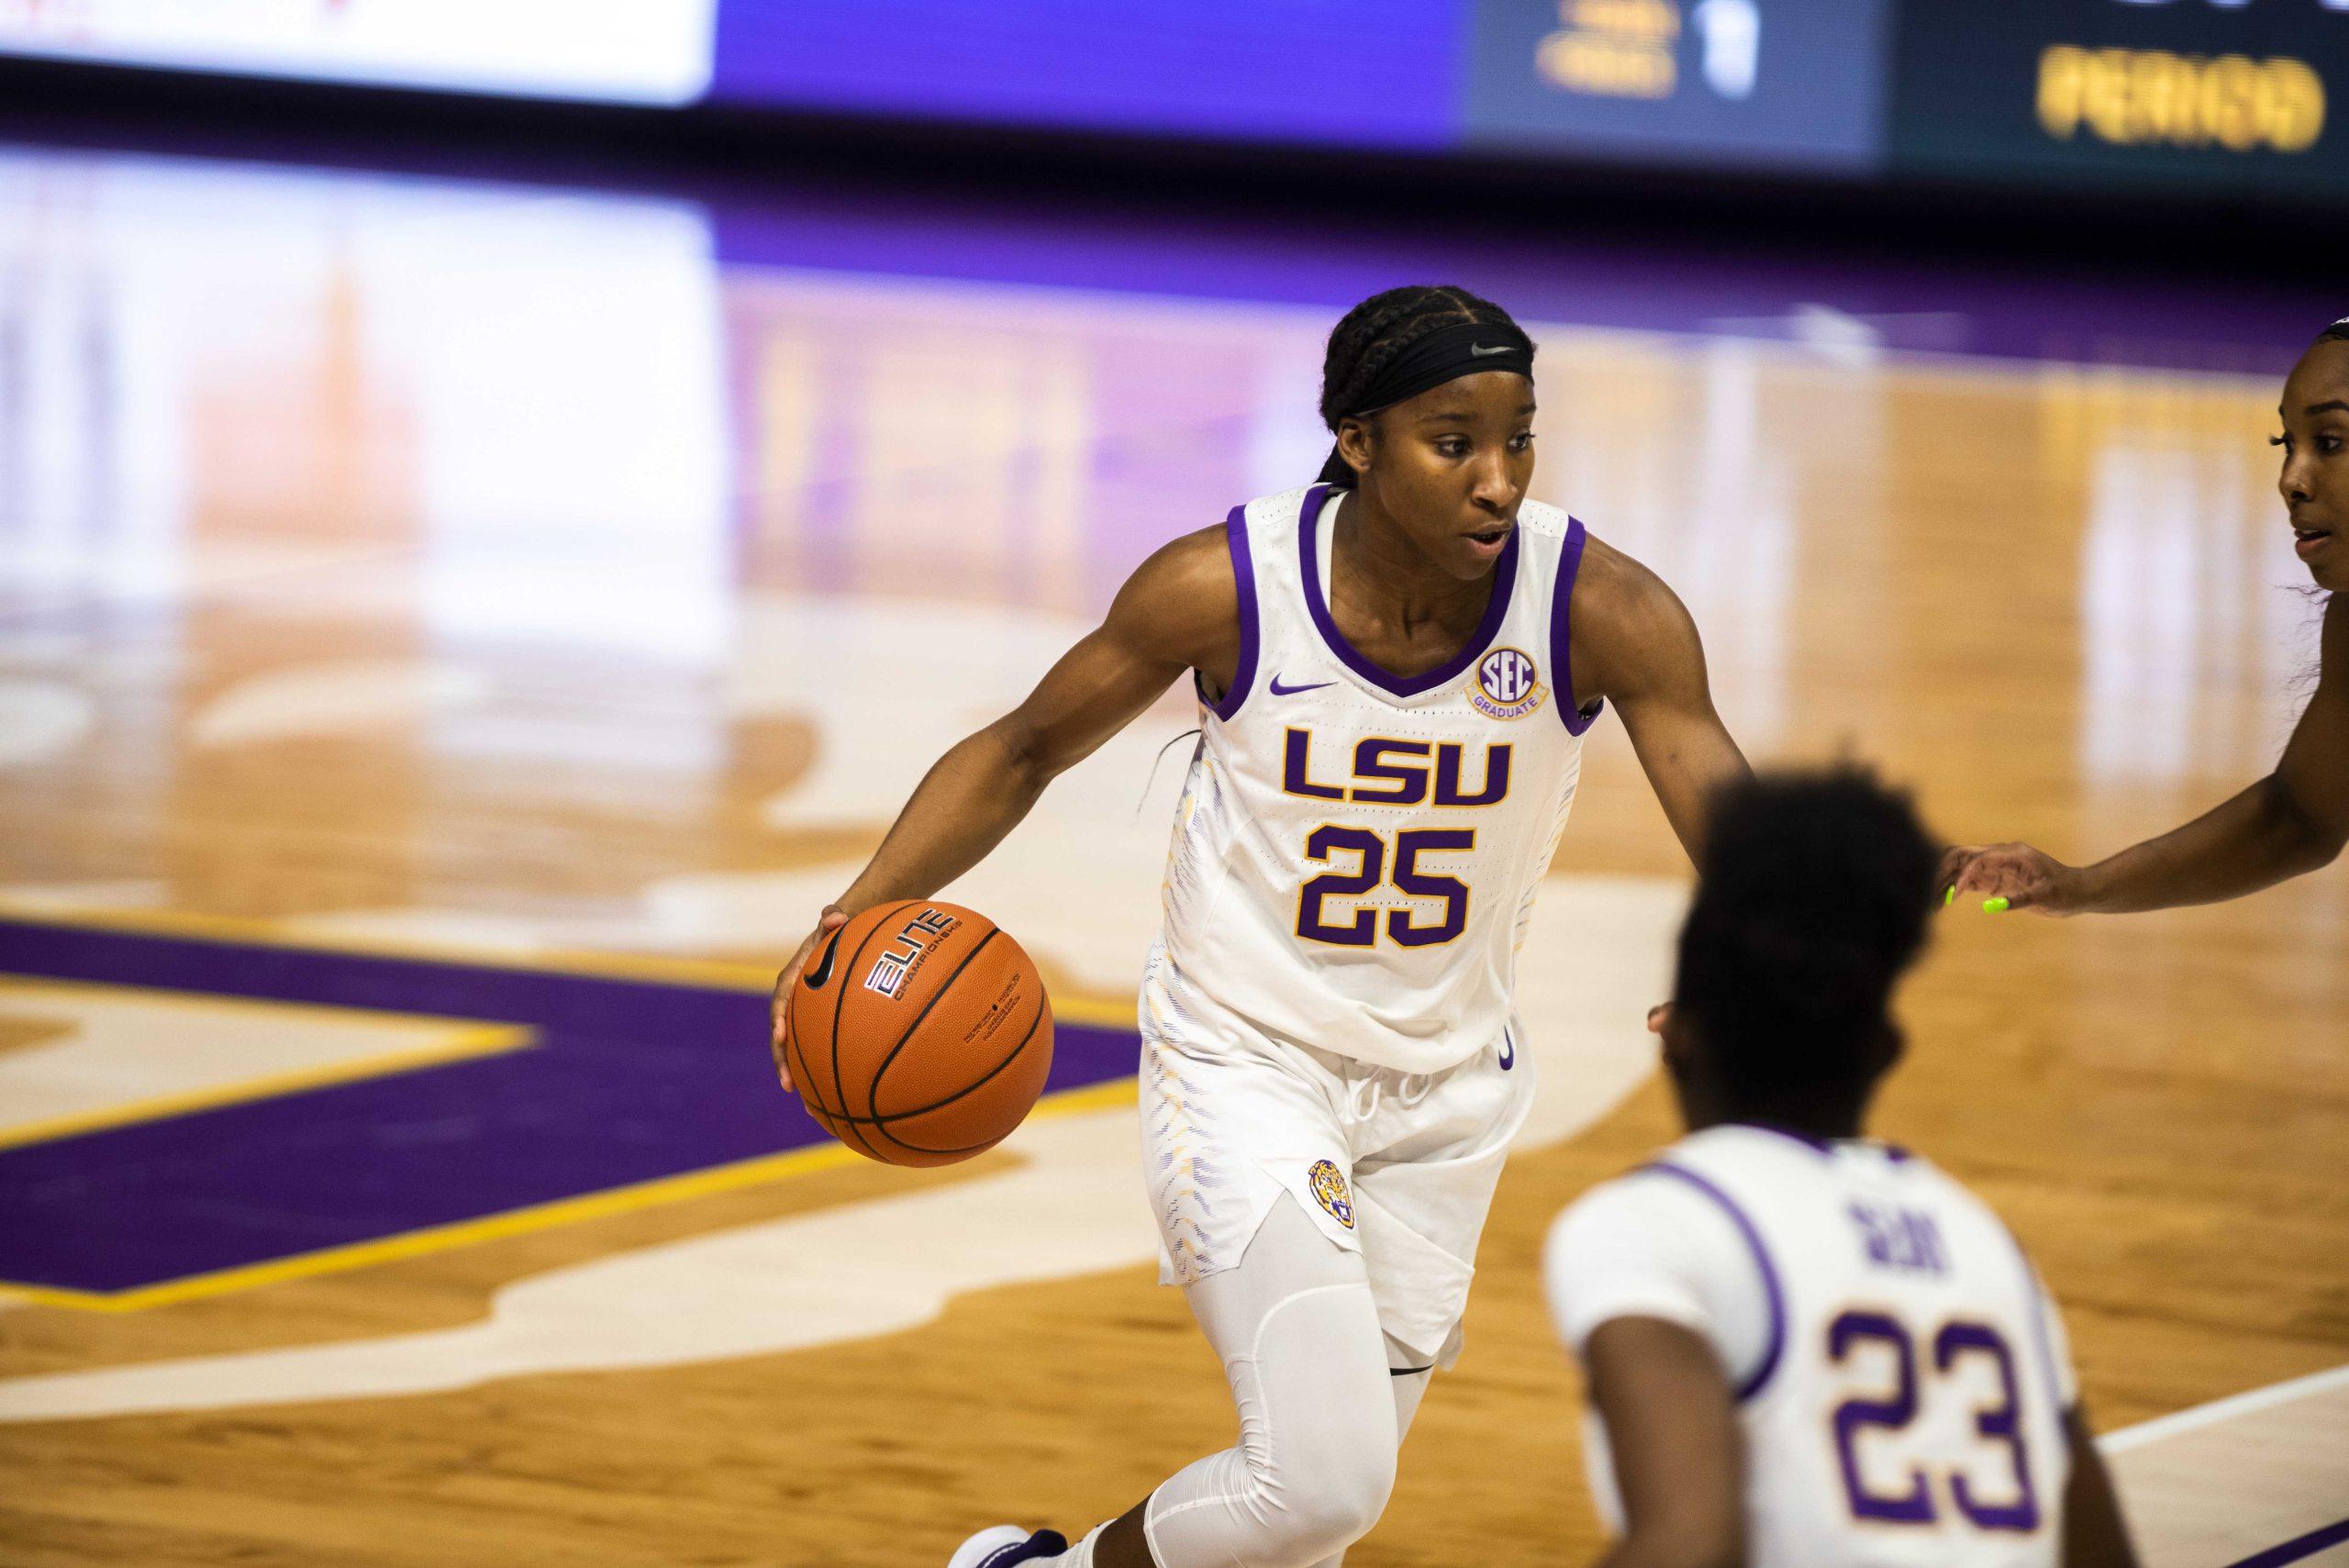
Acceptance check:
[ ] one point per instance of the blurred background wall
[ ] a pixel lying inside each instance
(2180, 109)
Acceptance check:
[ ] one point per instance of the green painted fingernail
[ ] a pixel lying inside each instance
(1951, 897)
(1994, 905)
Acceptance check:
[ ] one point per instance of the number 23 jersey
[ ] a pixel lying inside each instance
(1356, 854)
(1901, 1377)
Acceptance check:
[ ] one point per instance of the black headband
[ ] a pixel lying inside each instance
(2338, 329)
(1464, 347)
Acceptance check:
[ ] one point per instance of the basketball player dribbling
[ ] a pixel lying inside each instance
(1395, 667)
(1806, 1350)
(2297, 818)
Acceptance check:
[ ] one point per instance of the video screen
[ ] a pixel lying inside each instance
(637, 51)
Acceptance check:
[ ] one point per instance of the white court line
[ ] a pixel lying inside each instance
(2275, 1394)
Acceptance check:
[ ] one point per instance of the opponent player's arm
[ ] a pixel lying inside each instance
(1641, 646)
(1672, 1433)
(2294, 821)
(2094, 1535)
(1178, 611)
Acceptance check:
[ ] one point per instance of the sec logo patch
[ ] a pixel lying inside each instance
(1328, 1185)
(1507, 685)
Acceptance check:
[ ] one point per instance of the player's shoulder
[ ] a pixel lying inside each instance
(1611, 584)
(1652, 1200)
(1282, 509)
(1184, 600)
(1545, 521)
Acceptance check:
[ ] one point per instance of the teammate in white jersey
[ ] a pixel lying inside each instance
(1806, 1350)
(1394, 667)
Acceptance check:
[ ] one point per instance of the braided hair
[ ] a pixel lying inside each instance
(1811, 901)
(1366, 339)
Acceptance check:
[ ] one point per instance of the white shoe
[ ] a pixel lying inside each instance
(1000, 1546)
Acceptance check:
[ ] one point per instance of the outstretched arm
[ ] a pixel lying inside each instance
(2294, 821)
(1644, 656)
(1178, 611)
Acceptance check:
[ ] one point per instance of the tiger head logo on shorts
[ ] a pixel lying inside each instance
(1328, 1185)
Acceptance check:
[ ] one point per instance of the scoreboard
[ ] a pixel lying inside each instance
(2192, 95)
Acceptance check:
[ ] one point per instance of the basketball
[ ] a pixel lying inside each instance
(920, 1034)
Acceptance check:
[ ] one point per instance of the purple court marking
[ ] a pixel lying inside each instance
(629, 1081)
(2299, 1548)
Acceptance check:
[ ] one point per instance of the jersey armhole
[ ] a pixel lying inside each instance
(1774, 1350)
(1562, 596)
(1243, 576)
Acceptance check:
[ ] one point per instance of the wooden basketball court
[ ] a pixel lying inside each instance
(453, 636)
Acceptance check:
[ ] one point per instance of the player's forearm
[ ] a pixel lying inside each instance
(971, 798)
(1687, 772)
(2253, 840)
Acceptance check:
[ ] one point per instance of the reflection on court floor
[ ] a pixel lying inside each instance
(454, 634)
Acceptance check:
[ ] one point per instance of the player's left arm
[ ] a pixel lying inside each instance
(1672, 1433)
(2293, 821)
(1639, 647)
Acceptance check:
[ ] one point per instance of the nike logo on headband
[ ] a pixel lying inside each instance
(1481, 350)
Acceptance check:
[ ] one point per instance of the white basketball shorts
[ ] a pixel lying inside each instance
(1398, 1167)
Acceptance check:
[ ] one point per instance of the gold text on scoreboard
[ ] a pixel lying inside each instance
(1617, 48)
(2141, 96)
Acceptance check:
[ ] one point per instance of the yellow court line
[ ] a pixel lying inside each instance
(627, 1199)
(602, 966)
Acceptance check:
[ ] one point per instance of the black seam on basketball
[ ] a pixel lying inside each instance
(813, 979)
(881, 1121)
(881, 1125)
(872, 1099)
(839, 999)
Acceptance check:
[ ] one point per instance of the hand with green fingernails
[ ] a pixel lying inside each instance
(2011, 876)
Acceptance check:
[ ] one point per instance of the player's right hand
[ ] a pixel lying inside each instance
(779, 1009)
(2024, 877)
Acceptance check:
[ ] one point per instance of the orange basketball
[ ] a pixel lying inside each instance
(920, 1033)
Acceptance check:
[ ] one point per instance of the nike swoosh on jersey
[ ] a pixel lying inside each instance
(1281, 691)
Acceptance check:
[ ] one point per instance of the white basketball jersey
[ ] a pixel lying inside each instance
(1905, 1406)
(1356, 852)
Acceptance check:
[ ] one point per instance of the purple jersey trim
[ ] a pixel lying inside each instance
(1816, 1145)
(1561, 633)
(1777, 1345)
(1495, 611)
(1243, 575)
(1891, 1152)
